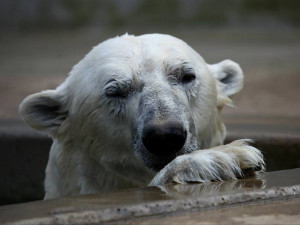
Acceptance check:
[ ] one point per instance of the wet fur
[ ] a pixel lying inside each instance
(97, 115)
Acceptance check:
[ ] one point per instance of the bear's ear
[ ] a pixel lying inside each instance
(44, 111)
(230, 77)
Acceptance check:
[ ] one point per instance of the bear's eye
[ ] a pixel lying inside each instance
(115, 93)
(117, 89)
(188, 77)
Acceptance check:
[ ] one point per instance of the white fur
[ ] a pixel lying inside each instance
(97, 116)
(216, 164)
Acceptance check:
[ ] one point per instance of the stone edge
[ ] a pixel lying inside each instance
(126, 212)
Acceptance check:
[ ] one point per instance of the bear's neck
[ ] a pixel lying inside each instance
(74, 170)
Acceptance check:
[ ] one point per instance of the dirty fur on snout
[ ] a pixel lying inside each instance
(99, 119)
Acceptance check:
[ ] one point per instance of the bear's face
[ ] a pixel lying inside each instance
(150, 98)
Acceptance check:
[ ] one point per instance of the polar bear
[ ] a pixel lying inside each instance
(136, 111)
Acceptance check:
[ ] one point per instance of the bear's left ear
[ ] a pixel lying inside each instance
(44, 111)
(230, 77)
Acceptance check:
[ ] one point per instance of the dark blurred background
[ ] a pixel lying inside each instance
(45, 14)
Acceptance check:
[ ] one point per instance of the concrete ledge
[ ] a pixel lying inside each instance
(148, 202)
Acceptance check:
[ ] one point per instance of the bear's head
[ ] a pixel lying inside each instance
(147, 98)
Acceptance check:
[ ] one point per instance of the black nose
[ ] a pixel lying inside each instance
(164, 139)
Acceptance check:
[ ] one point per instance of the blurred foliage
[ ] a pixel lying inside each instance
(78, 13)
(287, 10)
(81, 11)
(116, 19)
(212, 12)
(158, 11)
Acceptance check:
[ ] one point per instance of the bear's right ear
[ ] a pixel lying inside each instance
(230, 76)
(230, 79)
(44, 111)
